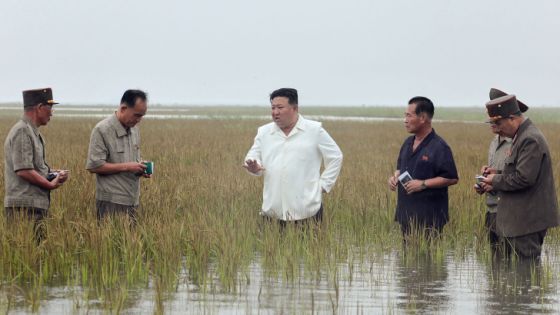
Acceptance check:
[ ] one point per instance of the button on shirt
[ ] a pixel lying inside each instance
(432, 158)
(111, 142)
(292, 181)
(24, 149)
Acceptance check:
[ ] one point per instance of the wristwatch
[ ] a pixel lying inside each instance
(424, 185)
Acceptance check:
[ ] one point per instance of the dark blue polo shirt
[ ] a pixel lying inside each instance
(432, 158)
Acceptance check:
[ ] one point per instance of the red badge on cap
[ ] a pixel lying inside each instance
(425, 158)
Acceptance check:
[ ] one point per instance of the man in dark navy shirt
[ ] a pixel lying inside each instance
(423, 202)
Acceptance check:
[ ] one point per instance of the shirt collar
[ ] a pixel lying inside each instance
(422, 144)
(428, 136)
(504, 139)
(119, 128)
(28, 121)
(300, 125)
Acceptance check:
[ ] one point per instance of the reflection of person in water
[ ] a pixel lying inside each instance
(517, 288)
(422, 280)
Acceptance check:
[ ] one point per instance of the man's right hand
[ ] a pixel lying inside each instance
(487, 170)
(394, 181)
(134, 167)
(56, 182)
(253, 166)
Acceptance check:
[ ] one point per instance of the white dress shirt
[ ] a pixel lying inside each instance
(292, 181)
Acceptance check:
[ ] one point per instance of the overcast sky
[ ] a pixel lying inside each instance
(236, 52)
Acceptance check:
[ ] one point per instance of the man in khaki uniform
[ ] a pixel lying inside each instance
(28, 177)
(527, 204)
(114, 156)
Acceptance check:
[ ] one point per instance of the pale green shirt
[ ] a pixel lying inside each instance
(24, 149)
(111, 142)
(497, 153)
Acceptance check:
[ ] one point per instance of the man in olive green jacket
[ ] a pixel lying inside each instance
(527, 204)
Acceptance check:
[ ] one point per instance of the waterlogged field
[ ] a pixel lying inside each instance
(201, 247)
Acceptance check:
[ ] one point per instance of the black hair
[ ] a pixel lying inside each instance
(423, 105)
(289, 93)
(130, 96)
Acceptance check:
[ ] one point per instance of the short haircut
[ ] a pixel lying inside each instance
(130, 96)
(289, 93)
(423, 105)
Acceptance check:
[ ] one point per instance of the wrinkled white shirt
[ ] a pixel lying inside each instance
(292, 181)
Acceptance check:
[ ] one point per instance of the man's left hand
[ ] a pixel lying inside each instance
(413, 186)
(488, 179)
(486, 187)
(63, 176)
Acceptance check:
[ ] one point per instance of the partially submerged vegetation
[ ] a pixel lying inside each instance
(199, 220)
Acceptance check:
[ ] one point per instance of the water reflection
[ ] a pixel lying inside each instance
(518, 287)
(422, 282)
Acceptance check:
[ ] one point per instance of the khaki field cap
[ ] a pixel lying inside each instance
(502, 107)
(495, 93)
(34, 97)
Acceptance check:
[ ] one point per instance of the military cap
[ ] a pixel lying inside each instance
(502, 107)
(36, 96)
(495, 93)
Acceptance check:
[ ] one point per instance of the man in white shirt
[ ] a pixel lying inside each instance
(289, 152)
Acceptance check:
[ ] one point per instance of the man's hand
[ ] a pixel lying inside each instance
(488, 179)
(487, 170)
(55, 183)
(486, 187)
(486, 183)
(134, 167)
(394, 181)
(413, 186)
(478, 188)
(253, 166)
(63, 176)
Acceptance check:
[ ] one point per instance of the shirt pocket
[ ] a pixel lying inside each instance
(424, 170)
(120, 156)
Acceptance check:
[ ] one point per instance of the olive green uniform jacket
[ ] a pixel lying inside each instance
(526, 194)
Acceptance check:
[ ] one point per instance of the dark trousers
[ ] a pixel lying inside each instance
(526, 246)
(35, 214)
(106, 208)
(317, 218)
(490, 224)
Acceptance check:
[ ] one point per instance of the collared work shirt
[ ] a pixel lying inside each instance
(432, 158)
(111, 142)
(292, 181)
(496, 157)
(24, 149)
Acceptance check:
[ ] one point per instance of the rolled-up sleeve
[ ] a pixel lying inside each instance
(332, 157)
(22, 151)
(97, 152)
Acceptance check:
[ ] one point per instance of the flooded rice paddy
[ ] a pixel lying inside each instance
(200, 246)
